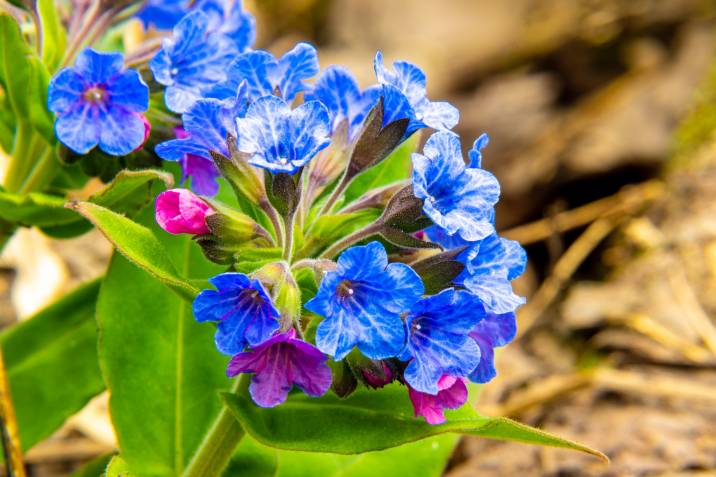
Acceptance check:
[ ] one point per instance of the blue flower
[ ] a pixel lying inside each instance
(458, 199)
(227, 18)
(280, 139)
(98, 101)
(163, 14)
(338, 90)
(265, 74)
(490, 265)
(191, 61)
(206, 124)
(492, 331)
(409, 80)
(438, 341)
(362, 301)
(242, 308)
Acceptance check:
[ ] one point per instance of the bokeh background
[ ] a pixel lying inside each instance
(602, 124)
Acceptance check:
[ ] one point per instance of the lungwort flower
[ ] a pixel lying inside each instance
(242, 308)
(163, 14)
(491, 332)
(280, 363)
(265, 75)
(191, 61)
(98, 101)
(280, 139)
(452, 394)
(408, 81)
(456, 198)
(362, 301)
(438, 343)
(179, 211)
(338, 90)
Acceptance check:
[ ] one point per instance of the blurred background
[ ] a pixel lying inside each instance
(602, 124)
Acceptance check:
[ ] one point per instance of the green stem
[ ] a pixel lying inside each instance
(42, 173)
(288, 237)
(219, 444)
(20, 161)
(350, 239)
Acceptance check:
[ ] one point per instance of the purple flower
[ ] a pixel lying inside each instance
(242, 308)
(179, 211)
(362, 302)
(406, 97)
(280, 363)
(438, 341)
(452, 394)
(280, 139)
(338, 90)
(199, 168)
(493, 331)
(98, 101)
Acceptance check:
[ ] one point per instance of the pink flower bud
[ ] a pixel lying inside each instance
(179, 211)
(452, 394)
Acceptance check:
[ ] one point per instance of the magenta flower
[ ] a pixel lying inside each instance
(179, 211)
(280, 363)
(452, 394)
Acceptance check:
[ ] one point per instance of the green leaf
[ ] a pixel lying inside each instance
(94, 468)
(161, 366)
(369, 421)
(51, 361)
(395, 168)
(54, 39)
(117, 467)
(125, 194)
(426, 458)
(138, 244)
(24, 78)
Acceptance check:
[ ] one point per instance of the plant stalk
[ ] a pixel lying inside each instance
(8, 428)
(350, 239)
(219, 444)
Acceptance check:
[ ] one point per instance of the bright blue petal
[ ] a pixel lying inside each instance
(242, 308)
(163, 14)
(438, 115)
(79, 128)
(65, 90)
(96, 67)
(191, 61)
(362, 301)
(495, 292)
(279, 139)
(438, 339)
(475, 154)
(226, 17)
(295, 66)
(121, 132)
(492, 331)
(129, 91)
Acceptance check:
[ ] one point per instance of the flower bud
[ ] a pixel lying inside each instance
(284, 291)
(372, 373)
(180, 211)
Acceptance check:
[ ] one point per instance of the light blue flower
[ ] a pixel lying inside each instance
(475, 154)
(490, 265)
(228, 18)
(338, 90)
(163, 14)
(191, 61)
(362, 301)
(491, 332)
(456, 198)
(266, 75)
(98, 101)
(280, 139)
(438, 342)
(242, 309)
(409, 80)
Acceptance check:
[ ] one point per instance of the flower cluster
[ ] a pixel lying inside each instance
(406, 281)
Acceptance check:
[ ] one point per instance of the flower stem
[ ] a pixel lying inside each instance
(350, 239)
(88, 21)
(8, 428)
(288, 237)
(21, 160)
(335, 195)
(42, 172)
(219, 444)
